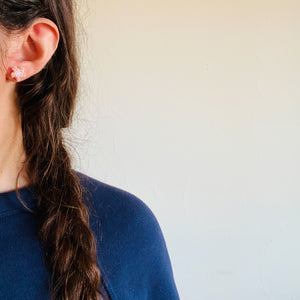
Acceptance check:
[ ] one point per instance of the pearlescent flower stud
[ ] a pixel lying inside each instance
(17, 73)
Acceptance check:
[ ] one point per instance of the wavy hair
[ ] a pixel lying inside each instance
(46, 102)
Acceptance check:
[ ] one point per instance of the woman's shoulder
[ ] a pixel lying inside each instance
(105, 200)
(133, 255)
(122, 216)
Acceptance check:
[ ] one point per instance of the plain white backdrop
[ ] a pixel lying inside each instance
(193, 106)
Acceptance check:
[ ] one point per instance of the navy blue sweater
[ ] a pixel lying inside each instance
(131, 250)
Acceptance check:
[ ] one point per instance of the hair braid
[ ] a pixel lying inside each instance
(46, 102)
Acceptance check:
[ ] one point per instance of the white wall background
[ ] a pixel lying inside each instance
(193, 106)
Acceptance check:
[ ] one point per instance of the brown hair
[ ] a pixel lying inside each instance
(46, 102)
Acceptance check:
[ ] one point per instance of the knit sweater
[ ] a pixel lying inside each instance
(131, 251)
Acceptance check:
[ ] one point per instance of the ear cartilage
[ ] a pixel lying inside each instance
(17, 73)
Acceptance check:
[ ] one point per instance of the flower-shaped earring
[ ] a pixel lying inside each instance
(17, 73)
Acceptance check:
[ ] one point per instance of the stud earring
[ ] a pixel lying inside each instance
(17, 73)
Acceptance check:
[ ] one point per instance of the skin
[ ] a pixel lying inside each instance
(30, 49)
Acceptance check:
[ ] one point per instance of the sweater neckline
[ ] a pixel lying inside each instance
(9, 200)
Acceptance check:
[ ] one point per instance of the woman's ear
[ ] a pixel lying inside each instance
(32, 49)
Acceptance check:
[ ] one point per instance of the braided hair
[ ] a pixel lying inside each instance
(46, 102)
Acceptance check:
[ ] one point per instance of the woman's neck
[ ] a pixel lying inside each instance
(12, 152)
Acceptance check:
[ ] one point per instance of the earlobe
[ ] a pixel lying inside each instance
(35, 48)
(16, 73)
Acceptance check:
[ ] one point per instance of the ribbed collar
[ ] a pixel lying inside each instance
(10, 202)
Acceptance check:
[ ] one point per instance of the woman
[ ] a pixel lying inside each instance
(64, 235)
